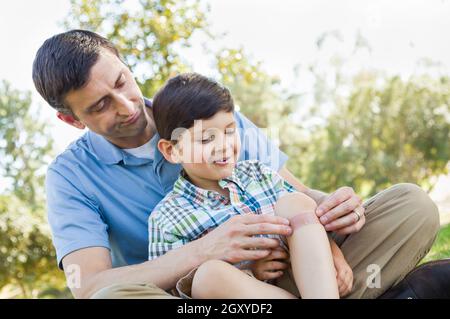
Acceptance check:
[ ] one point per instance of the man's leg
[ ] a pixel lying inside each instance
(132, 291)
(401, 225)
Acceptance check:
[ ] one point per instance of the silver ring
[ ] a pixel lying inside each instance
(357, 214)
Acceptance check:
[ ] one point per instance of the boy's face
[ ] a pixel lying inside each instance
(210, 149)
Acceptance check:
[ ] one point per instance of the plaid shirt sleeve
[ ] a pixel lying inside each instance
(163, 235)
(276, 182)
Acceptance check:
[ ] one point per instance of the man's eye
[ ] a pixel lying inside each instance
(121, 84)
(208, 139)
(101, 106)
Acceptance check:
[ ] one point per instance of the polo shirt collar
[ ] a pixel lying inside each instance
(110, 154)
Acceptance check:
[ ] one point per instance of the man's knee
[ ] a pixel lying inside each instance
(132, 291)
(292, 204)
(420, 205)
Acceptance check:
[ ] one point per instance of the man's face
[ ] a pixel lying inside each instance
(111, 103)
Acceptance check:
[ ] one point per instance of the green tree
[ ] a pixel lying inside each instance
(261, 98)
(148, 33)
(26, 252)
(386, 131)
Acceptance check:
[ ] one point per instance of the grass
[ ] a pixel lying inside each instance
(441, 247)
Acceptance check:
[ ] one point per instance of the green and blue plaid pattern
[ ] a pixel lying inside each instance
(189, 212)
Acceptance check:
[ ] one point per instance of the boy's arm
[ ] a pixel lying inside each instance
(344, 273)
(335, 250)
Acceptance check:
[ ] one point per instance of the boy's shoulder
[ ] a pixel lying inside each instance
(253, 169)
(172, 202)
(173, 207)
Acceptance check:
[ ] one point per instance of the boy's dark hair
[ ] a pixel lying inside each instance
(186, 98)
(63, 63)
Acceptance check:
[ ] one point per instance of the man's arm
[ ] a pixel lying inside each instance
(96, 270)
(232, 241)
(318, 196)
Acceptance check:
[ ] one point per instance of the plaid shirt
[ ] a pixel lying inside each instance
(189, 212)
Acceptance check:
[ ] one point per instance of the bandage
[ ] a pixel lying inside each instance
(303, 219)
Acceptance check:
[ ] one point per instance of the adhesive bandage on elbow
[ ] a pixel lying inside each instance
(302, 219)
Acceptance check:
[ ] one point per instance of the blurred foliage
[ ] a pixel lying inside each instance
(148, 33)
(27, 267)
(366, 130)
(382, 134)
(258, 95)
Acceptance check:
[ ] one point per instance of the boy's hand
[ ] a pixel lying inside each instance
(272, 266)
(344, 274)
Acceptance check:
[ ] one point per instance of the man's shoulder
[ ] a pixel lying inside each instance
(75, 153)
(69, 162)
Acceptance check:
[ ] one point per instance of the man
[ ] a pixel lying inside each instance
(101, 190)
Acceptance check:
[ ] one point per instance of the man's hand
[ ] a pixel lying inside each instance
(342, 212)
(235, 240)
(272, 266)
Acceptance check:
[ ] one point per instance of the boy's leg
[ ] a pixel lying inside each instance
(217, 279)
(309, 248)
(132, 291)
(401, 225)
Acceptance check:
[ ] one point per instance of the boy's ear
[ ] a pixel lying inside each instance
(70, 119)
(169, 151)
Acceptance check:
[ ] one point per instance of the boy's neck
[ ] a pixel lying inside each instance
(211, 185)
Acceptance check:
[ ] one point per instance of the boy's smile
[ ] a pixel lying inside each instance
(209, 150)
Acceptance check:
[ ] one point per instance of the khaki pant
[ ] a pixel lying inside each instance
(401, 225)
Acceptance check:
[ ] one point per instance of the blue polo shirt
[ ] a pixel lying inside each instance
(101, 196)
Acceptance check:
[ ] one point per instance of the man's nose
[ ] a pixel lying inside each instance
(124, 106)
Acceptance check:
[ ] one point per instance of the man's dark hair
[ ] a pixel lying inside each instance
(188, 97)
(63, 63)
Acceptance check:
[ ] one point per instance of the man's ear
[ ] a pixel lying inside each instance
(69, 119)
(169, 151)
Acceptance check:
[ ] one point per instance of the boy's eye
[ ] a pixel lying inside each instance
(208, 139)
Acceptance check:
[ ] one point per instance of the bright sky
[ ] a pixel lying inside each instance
(280, 33)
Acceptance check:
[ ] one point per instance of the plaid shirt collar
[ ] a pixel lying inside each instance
(185, 188)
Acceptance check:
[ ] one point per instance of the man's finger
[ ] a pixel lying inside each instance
(275, 265)
(340, 210)
(272, 275)
(352, 228)
(267, 229)
(263, 218)
(258, 243)
(341, 195)
(253, 254)
(278, 254)
(345, 221)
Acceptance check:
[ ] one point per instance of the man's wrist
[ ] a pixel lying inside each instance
(316, 195)
(200, 252)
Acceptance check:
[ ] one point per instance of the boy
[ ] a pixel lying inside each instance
(194, 118)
